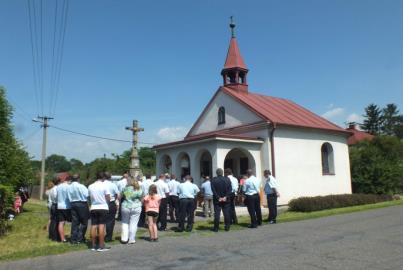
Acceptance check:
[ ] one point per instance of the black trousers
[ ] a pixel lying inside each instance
(272, 204)
(80, 214)
(142, 219)
(225, 207)
(162, 216)
(173, 208)
(53, 233)
(232, 212)
(254, 210)
(186, 211)
(110, 221)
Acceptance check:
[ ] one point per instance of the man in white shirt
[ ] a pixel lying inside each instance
(173, 199)
(163, 191)
(99, 198)
(271, 190)
(145, 186)
(114, 197)
(52, 203)
(234, 186)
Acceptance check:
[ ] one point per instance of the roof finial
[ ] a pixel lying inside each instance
(232, 25)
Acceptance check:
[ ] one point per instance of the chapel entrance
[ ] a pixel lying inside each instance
(239, 161)
(183, 165)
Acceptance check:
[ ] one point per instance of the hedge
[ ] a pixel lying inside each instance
(6, 203)
(309, 204)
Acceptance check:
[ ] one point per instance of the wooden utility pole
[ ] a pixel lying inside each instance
(44, 120)
(134, 157)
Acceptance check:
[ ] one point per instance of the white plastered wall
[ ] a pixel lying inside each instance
(299, 165)
(235, 115)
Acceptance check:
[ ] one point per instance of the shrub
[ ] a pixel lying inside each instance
(6, 203)
(309, 204)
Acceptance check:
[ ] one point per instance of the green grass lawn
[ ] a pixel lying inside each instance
(28, 236)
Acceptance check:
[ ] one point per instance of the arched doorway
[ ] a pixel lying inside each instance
(206, 164)
(166, 164)
(183, 165)
(239, 161)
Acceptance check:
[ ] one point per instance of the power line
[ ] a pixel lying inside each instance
(59, 55)
(95, 136)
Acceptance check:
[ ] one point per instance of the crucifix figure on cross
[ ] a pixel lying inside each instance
(134, 158)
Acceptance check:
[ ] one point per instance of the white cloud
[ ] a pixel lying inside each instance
(354, 118)
(169, 134)
(333, 112)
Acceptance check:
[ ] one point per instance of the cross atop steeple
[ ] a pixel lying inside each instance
(232, 26)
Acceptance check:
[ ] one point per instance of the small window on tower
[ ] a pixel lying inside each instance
(221, 115)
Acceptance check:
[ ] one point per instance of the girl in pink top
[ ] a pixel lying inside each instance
(152, 204)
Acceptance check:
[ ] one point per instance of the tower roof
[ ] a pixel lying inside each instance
(234, 57)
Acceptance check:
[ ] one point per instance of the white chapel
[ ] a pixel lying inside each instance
(240, 129)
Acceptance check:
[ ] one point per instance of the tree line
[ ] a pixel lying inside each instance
(117, 164)
(377, 165)
(383, 121)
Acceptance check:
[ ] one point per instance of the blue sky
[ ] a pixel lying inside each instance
(160, 62)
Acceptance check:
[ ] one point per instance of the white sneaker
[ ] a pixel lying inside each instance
(103, 249)
(131, 242)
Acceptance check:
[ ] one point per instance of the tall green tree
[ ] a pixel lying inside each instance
(57, 163)
(15, 167)
(377, 165)
(390, 116)
(372, 119)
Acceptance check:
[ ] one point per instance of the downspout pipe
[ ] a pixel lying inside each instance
(273, 159)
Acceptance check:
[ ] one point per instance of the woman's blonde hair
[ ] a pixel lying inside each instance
(50, 184)
(134, 183)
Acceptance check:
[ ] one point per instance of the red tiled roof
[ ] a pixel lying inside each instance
(208, 135)
(234, 58)
(358, 136)
(281, 111)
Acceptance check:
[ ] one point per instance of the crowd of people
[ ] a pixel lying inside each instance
(146, 203)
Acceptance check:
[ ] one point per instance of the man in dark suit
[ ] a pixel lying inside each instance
(221, 187)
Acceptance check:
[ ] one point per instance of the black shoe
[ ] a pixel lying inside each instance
(252, 226)
(214, 230)
(179, 230)
(162, 229)
(189, 229)
(226, 228)
(272, 222)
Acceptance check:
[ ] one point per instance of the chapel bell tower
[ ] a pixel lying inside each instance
(234, 72)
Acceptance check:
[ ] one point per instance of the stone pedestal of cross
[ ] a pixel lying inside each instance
(134, 157)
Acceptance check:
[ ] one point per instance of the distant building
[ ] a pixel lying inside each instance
(239, 129)
(357, 135)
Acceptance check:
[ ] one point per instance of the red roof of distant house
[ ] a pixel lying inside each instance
(234, 58)
(281, 111)
(358, 135)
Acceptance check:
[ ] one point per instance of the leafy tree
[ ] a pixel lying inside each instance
(373, 119)
(398, 129)
(76, 165)
(15, 167)
(389, 119)
(147, 160)
(57, 163)
(376, 166)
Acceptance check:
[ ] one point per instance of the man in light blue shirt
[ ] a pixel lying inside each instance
(63, 204)
(78, 196)
(271, 190)
(187, 192)
(207, 197)
(252, 199)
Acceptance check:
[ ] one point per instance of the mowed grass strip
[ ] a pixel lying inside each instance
(28, 237)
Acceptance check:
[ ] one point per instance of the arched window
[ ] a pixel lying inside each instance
(327, 159)
(221, 115)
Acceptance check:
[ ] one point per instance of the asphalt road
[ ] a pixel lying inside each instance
(365, 240)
